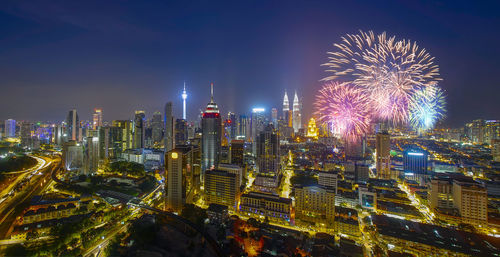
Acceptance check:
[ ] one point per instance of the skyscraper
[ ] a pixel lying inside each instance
(268, 156)
(181, 132)
(221, 187)
(211, 125)
(139, 129)
(157, 127)
(72, 126)
(124, 134)
(297, 115)
(257, 124)
(97, 118)
(10, 128)
(415, 164)
(383, 147)
(242, 127)
(184, 97)
(233, 125)
(176, 182)
(91, 155)
(287, 114)
(169, 127)
(274, 117)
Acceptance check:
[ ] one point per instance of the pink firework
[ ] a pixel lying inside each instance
(389, 70)
(346, 108)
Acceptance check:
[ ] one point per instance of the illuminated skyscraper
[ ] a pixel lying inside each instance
(383, 148)
(91, 155)
(169, 128)
(211, 125)
(97, 118)
(415, 164)
(274, 117)
(257, 124)
(312, 130)
(184, 97)
(242, 127)
(232, 124)
(10, 128)
(287, 114)
(72, 126)
(297, 115)
(139, 129)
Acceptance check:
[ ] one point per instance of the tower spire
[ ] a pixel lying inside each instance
(184, 97)
(211, 92)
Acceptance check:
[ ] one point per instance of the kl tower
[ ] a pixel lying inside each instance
(184, 97)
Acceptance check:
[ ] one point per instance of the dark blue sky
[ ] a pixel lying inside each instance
(128, 55)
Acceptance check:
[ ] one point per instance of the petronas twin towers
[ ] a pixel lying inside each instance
(293, 117)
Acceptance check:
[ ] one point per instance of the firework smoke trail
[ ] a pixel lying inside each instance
(389, 70)
(346, 107)
(426, 107)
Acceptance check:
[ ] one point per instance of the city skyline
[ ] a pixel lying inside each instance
(88, 69)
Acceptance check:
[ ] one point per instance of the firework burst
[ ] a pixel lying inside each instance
(426, 107)
(346, 108)
(389, 70)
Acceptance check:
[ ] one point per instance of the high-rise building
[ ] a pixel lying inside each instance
(72, 156)
(495, 150)
(211, 125)
(233, 169)
(181, 132)
(176, 180)
(10, 128)
(97, 118)
(91, 155)
(221, 187)
(440, 195)
(297, 114)
(415, 164)
(156, 128)
(315, 204)
(139, 129)
(328, 179)
(233, 125)
(242, 127)
(72, 126)
(125, 136)
(268, 156)
(257, 124)
(274, 117)
(237, 150)
(287, 113)
(471, 200)
(184, 97)
(169, 128)
(383, 148)
(26, 133)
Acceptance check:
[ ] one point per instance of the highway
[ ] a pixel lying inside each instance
(13, 207)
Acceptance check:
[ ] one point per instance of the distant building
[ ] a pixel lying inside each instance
(297, 114)
(139, 129)
(258, 123)
(274, 117)
(10, 128)
(124, 135)
(242, 128)
(328, 180)
(267, 154)
(181, 132)
(169, 127)
(495, 151)
(72, 126)
(97, 118)
(157, 128)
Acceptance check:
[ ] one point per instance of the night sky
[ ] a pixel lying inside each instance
(134, 55)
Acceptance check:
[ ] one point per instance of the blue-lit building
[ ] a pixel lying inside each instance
(416, 164)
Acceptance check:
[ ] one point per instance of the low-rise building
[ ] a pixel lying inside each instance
(262, 205)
